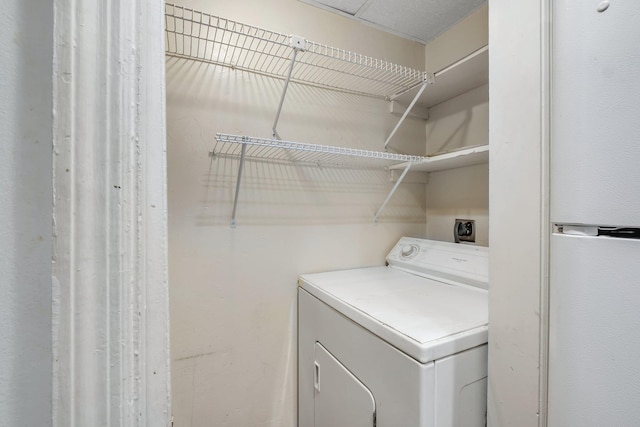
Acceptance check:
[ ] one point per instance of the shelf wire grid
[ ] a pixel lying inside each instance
(262, 149)
(211, 39)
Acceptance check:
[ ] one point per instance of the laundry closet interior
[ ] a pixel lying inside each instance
(236, 250)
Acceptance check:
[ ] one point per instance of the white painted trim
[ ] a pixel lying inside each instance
(545, 224)
(518, 133)
(110, 304)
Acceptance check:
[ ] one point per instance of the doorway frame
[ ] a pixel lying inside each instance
(110, 334)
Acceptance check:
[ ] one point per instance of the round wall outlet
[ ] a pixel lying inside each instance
(464, 230)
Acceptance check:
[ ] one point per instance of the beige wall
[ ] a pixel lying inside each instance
(518, 210)
(468, 35)
(459, 122)
(464, 192)
(233, 291)
(458, 193)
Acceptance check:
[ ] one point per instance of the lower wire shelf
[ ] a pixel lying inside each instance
(311, 154)
(246, 147)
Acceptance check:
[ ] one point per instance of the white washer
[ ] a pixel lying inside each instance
(396, 346)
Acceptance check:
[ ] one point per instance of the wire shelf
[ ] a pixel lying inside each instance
(305, 154)
(211, 39)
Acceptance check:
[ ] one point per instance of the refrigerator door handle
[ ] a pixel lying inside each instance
(619, 232)
(590, 230)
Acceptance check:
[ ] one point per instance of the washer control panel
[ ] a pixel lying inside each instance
(451, 261)
(409, 251)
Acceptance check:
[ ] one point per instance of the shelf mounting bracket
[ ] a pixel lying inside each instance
(393, 190)
(406, 113)
(298, 44)
(235, 198)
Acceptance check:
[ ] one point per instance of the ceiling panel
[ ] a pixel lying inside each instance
(421, 20)
(347, 6)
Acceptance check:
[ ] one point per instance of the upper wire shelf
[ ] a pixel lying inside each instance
(211, 39)
(305, 154)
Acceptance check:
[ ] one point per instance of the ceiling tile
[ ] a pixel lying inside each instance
(420, 19)
(346, 6)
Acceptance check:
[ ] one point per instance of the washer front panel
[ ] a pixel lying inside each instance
(403, 388)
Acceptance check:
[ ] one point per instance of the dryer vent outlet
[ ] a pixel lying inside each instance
(464, 230)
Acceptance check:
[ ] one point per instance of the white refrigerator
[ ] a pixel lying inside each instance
(594, 295)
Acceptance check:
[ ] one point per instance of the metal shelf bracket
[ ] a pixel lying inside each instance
(393, 190)
(427, 81)
(298, 44)
(235, 198)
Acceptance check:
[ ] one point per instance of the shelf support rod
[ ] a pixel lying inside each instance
(284, 93)
(235, 199)
(393, 190)
(406, 113)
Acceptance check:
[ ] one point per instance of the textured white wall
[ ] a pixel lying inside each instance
(233, 292)
(518, 204)
(26, 42)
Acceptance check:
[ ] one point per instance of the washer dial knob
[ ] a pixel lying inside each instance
(409, 251)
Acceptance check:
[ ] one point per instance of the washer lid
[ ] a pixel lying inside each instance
(422, 317)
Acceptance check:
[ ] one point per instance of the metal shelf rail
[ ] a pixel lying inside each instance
(211, 39)
(246, 147)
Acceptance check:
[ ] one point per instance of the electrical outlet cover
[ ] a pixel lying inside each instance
(464, 230)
